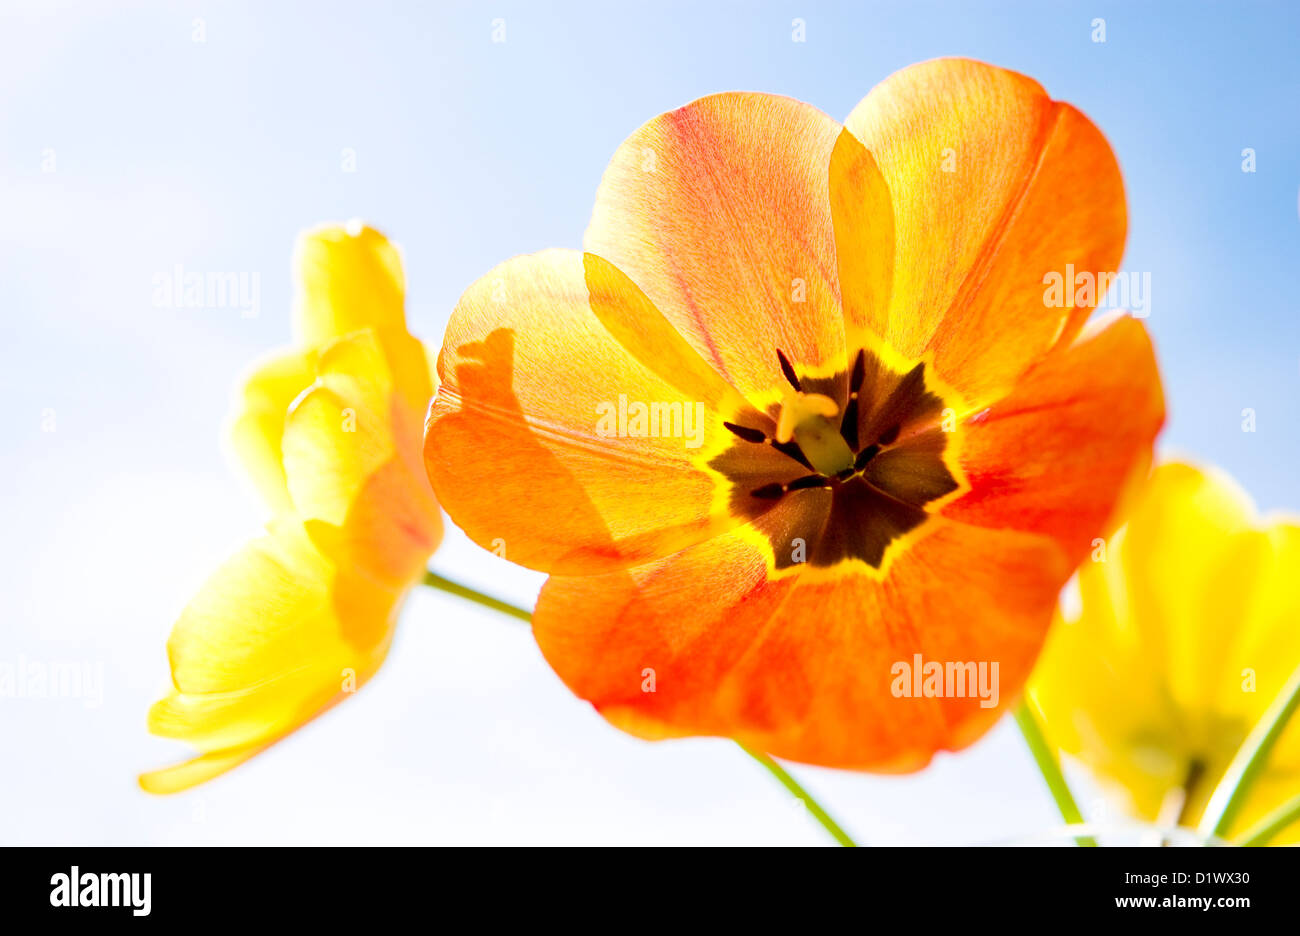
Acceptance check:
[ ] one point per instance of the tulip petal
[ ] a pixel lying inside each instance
(1054, 455)
(994, 186)
(532, 441)
(803, 666)
(273, 638)
(1269, 642)
(1094, 684)
(1189, 557)
(349, 277)
(720, 212)
(352, 456)
(257, 424)
(183, 776)
(1185, 636)
(863, 215)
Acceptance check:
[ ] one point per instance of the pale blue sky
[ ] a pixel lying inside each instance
(214, 154)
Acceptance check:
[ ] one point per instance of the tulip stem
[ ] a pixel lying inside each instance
(1050, 768)
(1230, 795)
(791, 784)
(1272, 824)
(434, 580)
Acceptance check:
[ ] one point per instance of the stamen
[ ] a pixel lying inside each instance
(749, 435)
(859, 372)
(792, 449)
(775, 490)
(788, 370)
(864, 456)
(849, 424)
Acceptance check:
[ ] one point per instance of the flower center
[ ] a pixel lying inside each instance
(842, 466)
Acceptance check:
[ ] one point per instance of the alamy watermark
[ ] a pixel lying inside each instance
(189, 289)
(1087, 290)
(37, 679)
(637, 420)
(80, 889)
(930, 679)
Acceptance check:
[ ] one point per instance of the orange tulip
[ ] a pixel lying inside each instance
(800, 412)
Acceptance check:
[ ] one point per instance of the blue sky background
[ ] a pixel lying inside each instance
(214, 154)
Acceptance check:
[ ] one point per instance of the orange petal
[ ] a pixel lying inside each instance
(994, 185)
(1054, 456)
(720, 212)
(706, 643)
(525, 443)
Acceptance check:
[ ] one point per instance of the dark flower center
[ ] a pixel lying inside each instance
(842, 467)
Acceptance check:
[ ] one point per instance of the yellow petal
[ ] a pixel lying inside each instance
(1268, 644)
(352, 453)
(1187, 633)
(1183, 558)
(190, 773)
(274, 637)
(257, 423)
(349, 277)
(411, 370)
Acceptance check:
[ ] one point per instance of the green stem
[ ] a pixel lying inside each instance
(1272, 824)
(1230, 795)
(791, 784)
(433, 580)
(1050, 768)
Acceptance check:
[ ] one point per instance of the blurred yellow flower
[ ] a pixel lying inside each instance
(1187, 633)
(331, 435)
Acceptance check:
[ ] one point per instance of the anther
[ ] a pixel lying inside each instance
(792, 449)
(859, 372)
(849, 424)
(864, 456)
(788, 370)
(749, 435)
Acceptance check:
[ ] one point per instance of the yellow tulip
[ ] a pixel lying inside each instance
(1187, 632)
(330, 433)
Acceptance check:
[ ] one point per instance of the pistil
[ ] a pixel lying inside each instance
(810, 420)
